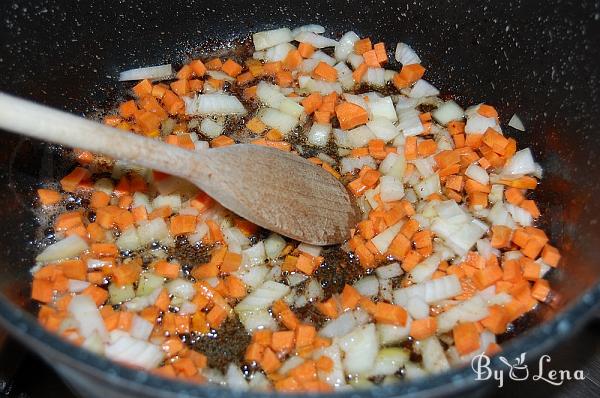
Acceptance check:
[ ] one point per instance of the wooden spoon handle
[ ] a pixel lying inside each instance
(39, 121)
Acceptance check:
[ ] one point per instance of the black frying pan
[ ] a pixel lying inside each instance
(538, 59)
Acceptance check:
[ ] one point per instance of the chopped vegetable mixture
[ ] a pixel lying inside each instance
(147, 270)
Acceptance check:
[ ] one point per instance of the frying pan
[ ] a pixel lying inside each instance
(535, 58)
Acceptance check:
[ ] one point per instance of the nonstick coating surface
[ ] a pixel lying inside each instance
(538, 59)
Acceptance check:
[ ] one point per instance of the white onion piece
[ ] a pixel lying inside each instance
(271, 38)
(274, 245)
(129, 239)
(425, 269)
(391, 334)
(516, 123)
(307, 65)
(77, 286)
(428, 186)
(321, 56)
(484, 247)
(310, 249)
(393, 165)
(389, 271)
(152, 231)
(141, 328)
(448, 112)
(349, 164)
(258, 382)
(425, 166)
(391, 188)
(257, 319)
(210, 128)
(214, 104)
(423, 89)
(141, 199)
(344, 75)
(459, 237)
(159, 72)
(339, 326)
(217, 74)
(254, 255)
(345, 46)
(389, 361)
(84, 311)
(336, 377)
(403, 102)
(430, 291)
(382, 108)
(263, 297)
(69, 247)
(477, 173)
(278, 120)
(135, 352)
(471, 310)
(320, 86)
(434, 358)
(361, 347)
(409, 122)
(367, 286)
(235, 378)
(355, 60)
(315, 40)
(181, 288)
(374, 77)
(383, 240)
(383, 129)
(254, 276)
(519, 215)
(498, 215)
(172, 201)
(521, 163)
(278, 52)
(319, 134)
(105, 185)
(314, 28)
(478, 124)
(417, 307)
(359, 136)
(406, 55)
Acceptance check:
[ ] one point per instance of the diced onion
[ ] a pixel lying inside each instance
(423, 89)
(345, 46)
(383, 240)
(257, 319)
(135, 352)
(159, 72)
(478, 124)
(271, 38)
(319, 133)
(374, 77)
(76, 286)
(322, 57)
(85, 312)
(274, 245)
(417, 307)
(263, 297)
(278, 120)
(69, 247)
(214, 104)
(344, 75)
(516, 123)
(314, 39)
(383, 129)
(129, 239)
(141, 328)
(181, 288)
(349, 164)
(235, 378)
(448, 112)
(278, 53)
(477, 173)
(367, 286)
(310, 249)
(210, 128)
(359, 136)
(152, 231)
(389, 271)
(382, 108)
(430, 291)
(360, 347)
(391, 188)
(434, 358)
(471, 310)
(406, 55)
(521, 163)
(314, 28)
(409, 122)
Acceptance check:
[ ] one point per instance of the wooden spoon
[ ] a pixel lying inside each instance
(279, 191)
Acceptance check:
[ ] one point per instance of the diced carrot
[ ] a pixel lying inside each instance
(143, 88)
(173, 104)
(550, 255)
(382, 57)
(410, 148)
(328, 308)
(231, 262)
(362, 46)
(501, 236)
(167, 269)
(531, 208)
(365, 257)
(531, 269)
(216, 316)
(466, 337)
(232, 68)
(74, 269)
(312, 102)
(423, 328)
(350, 115)
(306, 50)
(97, 294)
(540, 290)
(370, 58)
(235, 287)
(487, 276)
(41, 290)
(220, 141)
(292, 60)
(255, 125)
(426, 148)
(214, 64)
(284, 79)
(127, 273)
(198, 68)
(349, 298)
(496, 321)
(105, 249)
(180, 87)
(48, 197)
(305, 335)
(324, 71)
(399, 247)
(408, 75)
(285, 315)
(514, 196)
(74, 179)
(487, 111)
(254, 352)
(304, 372)
(390, 314)
(269, 362)
(182, 224)
(283, 341)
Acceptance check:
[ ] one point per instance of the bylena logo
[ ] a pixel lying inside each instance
(518, 370)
